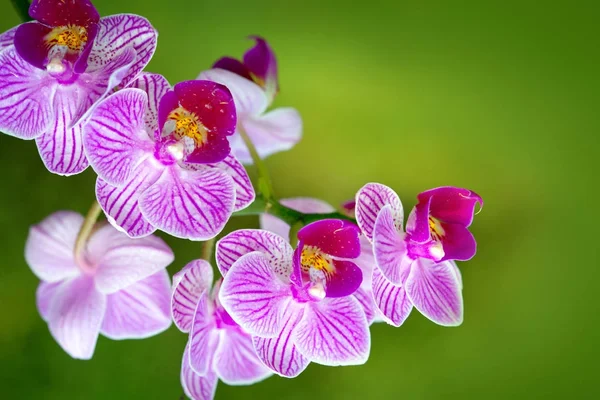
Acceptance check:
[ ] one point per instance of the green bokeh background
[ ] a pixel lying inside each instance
(499, 97)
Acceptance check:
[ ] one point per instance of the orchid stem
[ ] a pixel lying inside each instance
(22, 8)
(265, 186)
(207, 249)
(87, 227)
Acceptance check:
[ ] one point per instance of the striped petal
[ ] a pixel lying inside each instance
(334, 332)
(254, 295)
(204, 336)
(121, 203)
(43, 297)
(391, 300)
(188, 284)
(370, 199)
(244, 191)
(155, 86)
(279, 353)
(367, 302)
(390, 248)
(26, 96)
(140, 310)
(197, 387)
(192, 205)
(115, 136)
(236, 362)
(7, 38)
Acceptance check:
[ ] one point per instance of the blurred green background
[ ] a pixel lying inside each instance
(499, 97)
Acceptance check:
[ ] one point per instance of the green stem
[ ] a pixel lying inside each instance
(22, 8)
(207, 249)
(265, 187)
(86, 229)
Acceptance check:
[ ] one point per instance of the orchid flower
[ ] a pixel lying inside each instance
(60, 65)
(365, 261)
(417, 267)
(298, 304)
(218, 348)
(162, 158)
(115, 286)
(253, 82)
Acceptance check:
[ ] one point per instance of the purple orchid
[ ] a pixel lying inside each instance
(116, 286)
(60, 65)
(298, 305)
(366, 261)
(218, 348)
(417, 267)
(162, 158)
(253, 83)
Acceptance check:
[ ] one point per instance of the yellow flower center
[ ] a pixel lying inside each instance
(436, 229)
(73, 37)
(312, 257)
(188, 125)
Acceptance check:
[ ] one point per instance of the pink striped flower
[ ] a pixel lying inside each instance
(366, 261)
(417, 267)
(115, 286)
(162, 158)
(218, 348)
(298, 305)
(253, 82)
(55, 68)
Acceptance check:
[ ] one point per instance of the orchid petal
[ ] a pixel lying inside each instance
(370, 199)
(75, 316)
(244, 191)
(389, 247)
(50, 246)
(155, 86)
(254, 296)
(451, 204)
(121, 203)
(275, 131)
(188, 284)
(233, 65)
(302, 204)
(391, 300)
(197, 387)
(26, 95)
(203, 336)
(249, 98)
(334, 332)
(335, 237)
(189, 204)
(367, 302)
(140, 310)
(61, 146)
(121, 261)
(345, 279)
(7, 38)
(417, 223)
(43, 297)
(236, 362)
(119, 32)
(59, 12)
(458, 243)
(435, 290)
(233, 246)
(115, 136)
(262, 64)
(279, 353)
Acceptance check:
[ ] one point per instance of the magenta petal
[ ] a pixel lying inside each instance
(61, 12)
(345, 280)
(452, 204)
(391, 300)
(188, 285)
(370, 199)
(254, 296)
(262, 64)
(236, 362)
(302, 204)
(417, 224)
(167, 103)
(197, 387)
(50, 246)
(140, 310)
(75, 316)
(7, 38)
(335, 237)
(367, 302)
(279, 353)
(121, 261)
(119, 32)
(30, 43)
(204, 336)
(189, 205)
(155, 86)
(244, 191)
(232, 65)
(121, 203)
(435, 291)
(389, 248)
(43, 297)
(211, 102)
(115, 136)
(334, 332)
(25, 97)
(216, 149)
(459, 244)
(233, 246)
